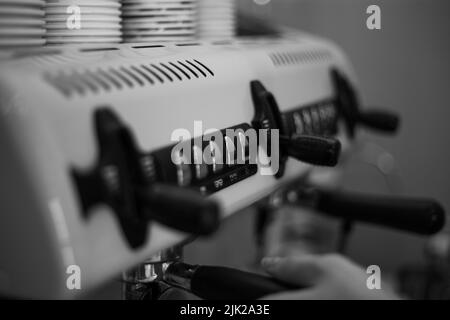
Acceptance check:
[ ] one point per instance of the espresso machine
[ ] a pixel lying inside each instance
(156, 278)
(88, 177)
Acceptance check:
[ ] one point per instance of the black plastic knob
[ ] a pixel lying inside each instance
(380, 120)
(347, 102)
(182, 209)
(119, 181)
(421, 216)
(222, 283)
(315, 150)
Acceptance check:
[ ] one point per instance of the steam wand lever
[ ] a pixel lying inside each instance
(321, 151)
(315, 150)
(421, 216)
(182, 209)
(347, 102)
(221, 283)
(121, 181)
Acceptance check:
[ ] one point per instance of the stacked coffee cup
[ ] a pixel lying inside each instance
(216, 19)
(21, 23)
(159, 20)
(83, 21)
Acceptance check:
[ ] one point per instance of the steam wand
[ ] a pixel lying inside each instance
(222, 283)
(417, 215)
(381, 120)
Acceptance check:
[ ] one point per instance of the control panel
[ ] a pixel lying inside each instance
(317, 119)
(171, 184)
(109, 187)
(209, 163)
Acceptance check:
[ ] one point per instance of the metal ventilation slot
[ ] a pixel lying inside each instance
(162, 72)
(70, 82)
(181, 70)
(122, 78)
(85, 82)
(171, 71)
(143, 75)
(196, 68)
(204, 67)
(98, 80)
(187, 44)
(109, 78)
(98, 49)
(147, 47)
(189, 69)
(153, 73)
(134, 76)
(304, 57)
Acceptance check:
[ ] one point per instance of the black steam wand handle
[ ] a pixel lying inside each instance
(222, 283)
(315, 150)
(381, 120)
(421, 216)
(179, 208)
(321, 151)
(347, 102)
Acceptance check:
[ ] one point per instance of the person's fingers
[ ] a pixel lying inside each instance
(321, 277)
(302, 271)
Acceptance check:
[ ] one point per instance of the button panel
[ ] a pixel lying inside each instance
(319, 119)
(211, 165)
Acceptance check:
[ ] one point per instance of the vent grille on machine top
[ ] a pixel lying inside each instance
(280, 59)
(92, 81)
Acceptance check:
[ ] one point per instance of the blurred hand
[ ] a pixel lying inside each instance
(323, 277)
(297, 231)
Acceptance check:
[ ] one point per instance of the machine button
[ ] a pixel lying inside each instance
(315, 118)
(299, 128)
(307, 121)
(201, 168)
(184, 175)
(243, 147)
(230, 151)
(217, 157)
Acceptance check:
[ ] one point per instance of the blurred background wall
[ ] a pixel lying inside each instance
(404, 66)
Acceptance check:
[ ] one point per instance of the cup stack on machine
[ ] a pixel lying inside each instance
(216, 19)
(22, 23)
(159, 20)
(83, 21)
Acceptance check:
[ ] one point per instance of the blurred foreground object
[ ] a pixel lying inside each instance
(432, 280)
